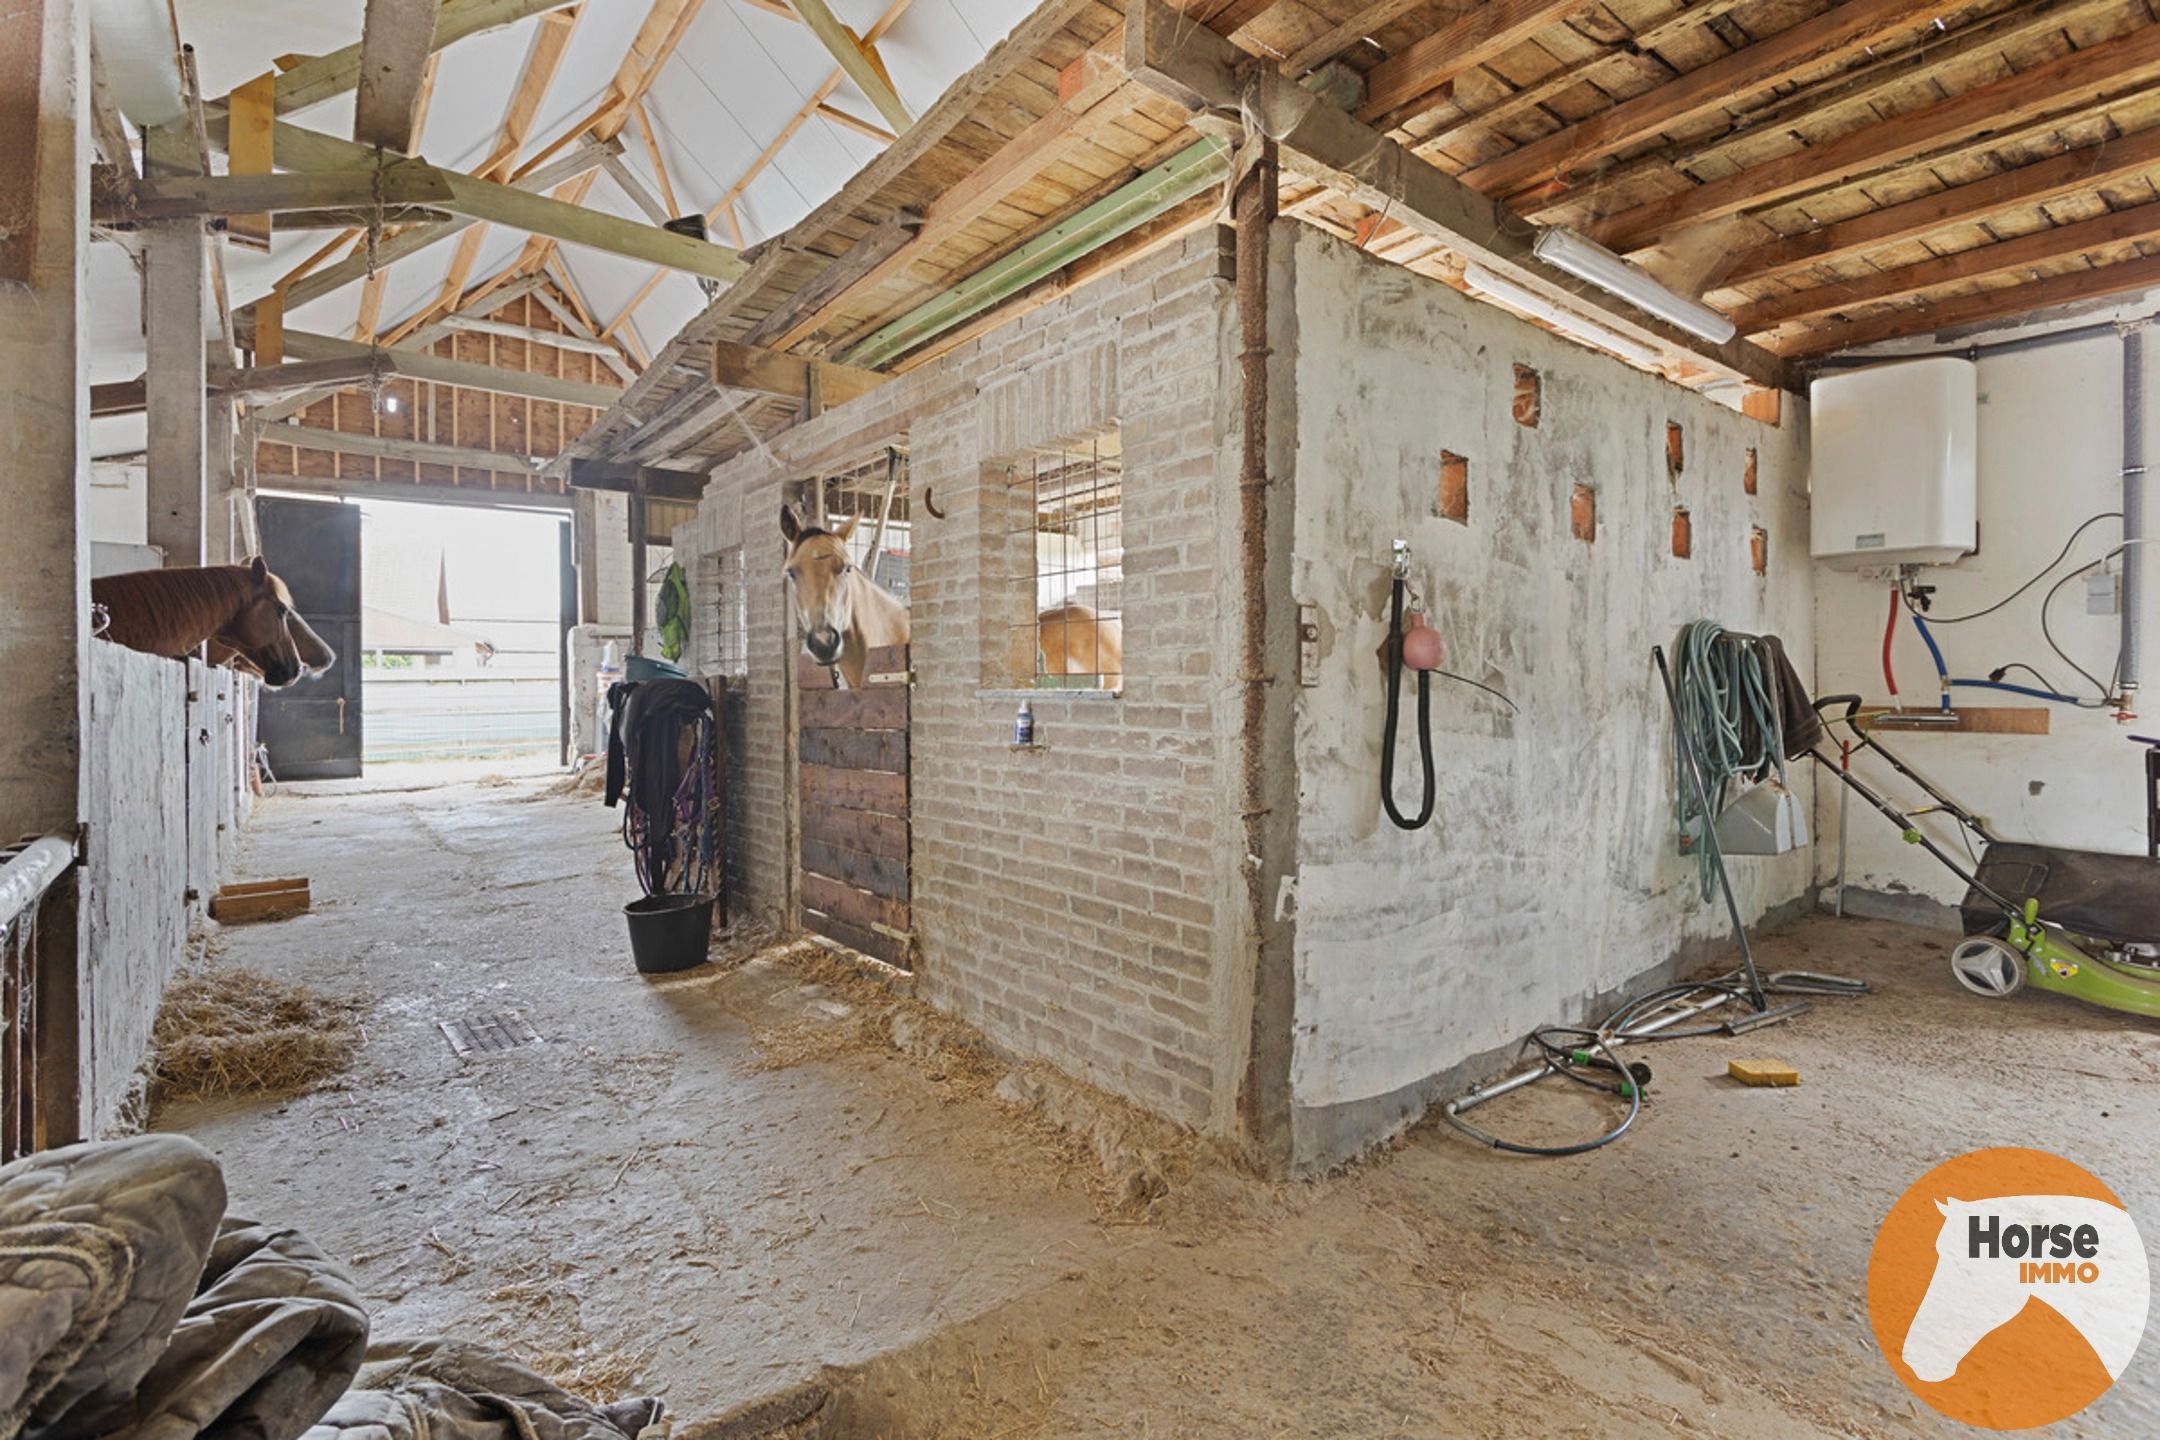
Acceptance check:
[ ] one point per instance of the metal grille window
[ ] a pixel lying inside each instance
(724, 629)
(874, 494)
(1071, 500)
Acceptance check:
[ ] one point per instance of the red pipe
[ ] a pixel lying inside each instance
(1890, 633)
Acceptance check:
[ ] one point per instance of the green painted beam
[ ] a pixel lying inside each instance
(1123, 210)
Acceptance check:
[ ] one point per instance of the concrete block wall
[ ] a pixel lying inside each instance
(165, 761)
(1548, 878)
(1074, 900)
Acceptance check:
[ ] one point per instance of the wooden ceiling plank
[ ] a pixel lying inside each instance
(396, 40)
(1486, 33)
(1836, 34)
(2076, 287)
(1328, 145)
(1981, 262)
(1096, 95)
(1567, 77)
(2072, 172)
(2059, 85)
(1331, 43)
(1879, 82)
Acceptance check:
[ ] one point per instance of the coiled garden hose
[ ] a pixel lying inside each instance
(1389, 728)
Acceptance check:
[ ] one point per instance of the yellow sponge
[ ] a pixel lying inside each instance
(1762, 1072)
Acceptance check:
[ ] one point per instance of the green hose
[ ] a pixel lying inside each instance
(1722, 681)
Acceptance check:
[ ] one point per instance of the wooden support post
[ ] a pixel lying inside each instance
(637, 571)
(175, 289)
(254, 122)
(45, 135)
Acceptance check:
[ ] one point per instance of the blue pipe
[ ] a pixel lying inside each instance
(1942, 671)
(2017, 690)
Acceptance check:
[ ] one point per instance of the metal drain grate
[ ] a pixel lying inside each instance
(488, 1034)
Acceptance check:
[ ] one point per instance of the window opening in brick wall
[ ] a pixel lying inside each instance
(859, 492)
(1071, 501)
(724, 630)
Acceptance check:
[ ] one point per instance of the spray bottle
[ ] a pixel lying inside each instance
(1024, 725)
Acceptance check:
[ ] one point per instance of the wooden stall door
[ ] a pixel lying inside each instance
(853, 745)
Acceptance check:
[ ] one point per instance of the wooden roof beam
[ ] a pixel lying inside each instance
(442, 370)
(415, 492)
(2004, 257)
(395, 43)
(417, 452)
(736, 366)
(1317, 140)
(324, 77)
(1414, 81)
(306, 150)
(1933, 317)
(648, 480)
(403, 183)
(2067, 83)
(1093, 87)
(856, 59)
(2088, 168)
(1836, 34)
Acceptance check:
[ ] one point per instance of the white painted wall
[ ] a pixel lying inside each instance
(2050, 453)
(166, 783)
(1550, 874)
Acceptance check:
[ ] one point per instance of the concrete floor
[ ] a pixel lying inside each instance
(645, 1189)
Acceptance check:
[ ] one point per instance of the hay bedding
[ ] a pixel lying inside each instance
(230, 1030)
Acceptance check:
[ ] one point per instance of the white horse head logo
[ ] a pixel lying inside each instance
(2081, 1256)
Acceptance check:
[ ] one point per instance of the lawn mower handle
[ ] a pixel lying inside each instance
(1850, 702)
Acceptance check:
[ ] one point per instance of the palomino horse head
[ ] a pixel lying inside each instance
(266, 635)
(818, 563)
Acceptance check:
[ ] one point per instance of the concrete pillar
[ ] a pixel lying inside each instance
(44, 417)
(175, 286)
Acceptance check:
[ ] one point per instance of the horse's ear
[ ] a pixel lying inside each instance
(847, 529)
(790, 529)
(258, 569)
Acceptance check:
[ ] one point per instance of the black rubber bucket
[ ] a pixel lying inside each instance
(669, 932)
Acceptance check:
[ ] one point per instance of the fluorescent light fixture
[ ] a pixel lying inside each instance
(1563, 249)
(1530, 303)
(389, 403)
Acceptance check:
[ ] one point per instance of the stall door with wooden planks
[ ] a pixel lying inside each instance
(853, 748)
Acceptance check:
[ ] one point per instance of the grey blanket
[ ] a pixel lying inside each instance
(133, 1308)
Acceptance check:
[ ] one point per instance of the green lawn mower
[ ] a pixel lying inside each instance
(2077, 922)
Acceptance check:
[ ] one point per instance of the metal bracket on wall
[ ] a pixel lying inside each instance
(1308, 645)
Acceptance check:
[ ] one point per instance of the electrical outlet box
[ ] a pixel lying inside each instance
(2103, 594)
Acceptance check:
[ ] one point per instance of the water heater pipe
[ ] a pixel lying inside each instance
(2133, 504)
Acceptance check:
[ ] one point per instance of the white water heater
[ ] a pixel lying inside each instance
(1893, 459)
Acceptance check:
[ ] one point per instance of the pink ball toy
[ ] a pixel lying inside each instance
(1422, 647)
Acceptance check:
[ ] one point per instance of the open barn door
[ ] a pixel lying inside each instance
(853, 748)
(312, 730)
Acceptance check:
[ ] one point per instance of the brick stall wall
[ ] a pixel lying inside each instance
(1075, 901)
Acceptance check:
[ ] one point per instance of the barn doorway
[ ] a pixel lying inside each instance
(853, 839)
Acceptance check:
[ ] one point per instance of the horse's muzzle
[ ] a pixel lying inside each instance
(823, 645)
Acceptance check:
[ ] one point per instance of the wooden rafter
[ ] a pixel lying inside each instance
(397, 42)
(2073, 287)
(1836, 34)
(1883, 81)
(324, 77)
(659, 161)
(1328, 145)
(1095, 96)
(856, 59)
(1412, 81)
(2086, 168)
(2059, 85)
(2005, 257)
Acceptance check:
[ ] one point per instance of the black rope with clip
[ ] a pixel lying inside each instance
(1394, 708)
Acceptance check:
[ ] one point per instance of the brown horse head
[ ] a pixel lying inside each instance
(266, 635)
(817, 561)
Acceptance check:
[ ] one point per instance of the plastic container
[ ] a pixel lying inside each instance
(669, 932)
(643, 667)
